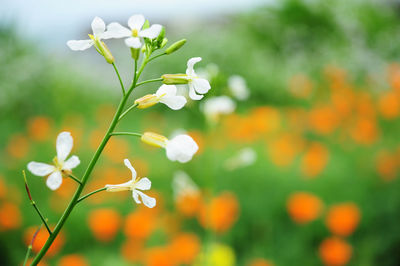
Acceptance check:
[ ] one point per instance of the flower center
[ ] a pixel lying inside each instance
(135, 33)
(57, 164)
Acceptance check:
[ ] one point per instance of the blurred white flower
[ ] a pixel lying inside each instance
(196, 84)
(180, 148)
(166, 94)
(183, 185)
(216, 106)
(210, 71)
(243, 158)
(136, 184)
(135, 32)
(237, 86)
(99, 33)
(61, 166)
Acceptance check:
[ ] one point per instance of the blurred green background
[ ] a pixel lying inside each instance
(322, 119)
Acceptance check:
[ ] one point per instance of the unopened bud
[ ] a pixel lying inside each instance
(160, 37)
(107, 53)
(154, 139)
(174, 79)
(135, 53)
(146, 25)
(147, 101)
(175, 46)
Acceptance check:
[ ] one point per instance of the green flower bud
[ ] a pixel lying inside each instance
(135, 53)
(175, 46)
(163, 43)
(107, 53)
(146, 25)
(160, 37)
(174, 79)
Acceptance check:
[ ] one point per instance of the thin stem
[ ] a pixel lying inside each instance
(126, 134)
(156, 56)
(41, 217)
(148, 81)
(127, 111)
(90, 194)
(75, 179)
(28, 253)
(119, 78)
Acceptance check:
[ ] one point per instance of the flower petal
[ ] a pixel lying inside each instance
(135, 196)
(129, 165)
(116, 30)
(201, 85)
(190, 65)
(151, 32)
(80, 45)
(143, 184)
(98, 27)
(147, 201)
(71, 163)
(136, 22)
(64, 145)
(174, 102)
(166, 90)
(133, 42)
(181, 148)
(54, 180)
(192, 93)
(40, 169)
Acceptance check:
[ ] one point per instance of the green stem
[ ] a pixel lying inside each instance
(90, 194)
(119, 78)
(127, 111)
(156, 56)
(28, 253)
(41, 217)
(148, 81)
(126, 134)
(75, 179)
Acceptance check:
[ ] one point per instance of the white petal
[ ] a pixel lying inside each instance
(201, 85)
(40, 169)
(133, 42)
(181, 148)
(54, 180)
(136, 22)
(79, 45)
(174, 102)
(143, 184)
(64, 145)
(98, 27)
(190, 65)
(151, 32)
(71, 163)
(129, 165)
(147, 201)
(166, 90)
(135, 196)
(193, 95)
(116, 30)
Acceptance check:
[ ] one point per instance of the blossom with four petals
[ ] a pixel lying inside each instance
(136, 184)
(61, 167)
(166, 94)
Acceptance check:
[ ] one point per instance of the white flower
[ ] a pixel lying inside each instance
(238, 87)
(243, 158)
(180, 148)
(136, 184)
(166, 94)
(196, 84)
(135, 24)
(215, 106)
(183, 185)
(99, 33)
(61, 165)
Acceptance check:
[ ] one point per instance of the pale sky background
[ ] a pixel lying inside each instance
(55, 21)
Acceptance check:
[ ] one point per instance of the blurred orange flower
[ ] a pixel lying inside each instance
(221, 213)
(10, 216)
(335, 252)
(184, 248)
(189, 204)
(343, 219)
(387, 165)
(104, 224)
(132, 250)
(39, 128)
(323, 119)
(304, 207)
(389, 105)
(159, 256)
(283, 149)
(72, 260)
(18, 146)
(364, 130)
(315, 159)
(117, 150)
(41, 239)
(140, 224)
(260, 262)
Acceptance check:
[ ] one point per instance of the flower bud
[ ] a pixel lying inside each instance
(154, 139)
(175, 46)
(107, 53)
(160, 37)
(174, 79)
(146, 25)
(164, 42)
(135, 53)
(147, 101)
